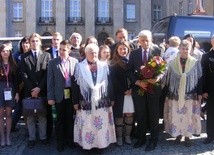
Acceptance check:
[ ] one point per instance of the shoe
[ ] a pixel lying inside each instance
(71, 145)
(119, 141)
(100, 151)
(187, 142)
(31, 143)
(14, 129)
(8, 142)
(128, 140)
(44, 141)
(202, 115)
(151, 146)
(87, 151)
(60, 147)
(139, 143)
(178, 139)
(2, 142)
(208, 140)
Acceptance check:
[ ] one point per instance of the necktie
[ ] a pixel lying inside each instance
(35, 56)
(144, 58)
(57, 53)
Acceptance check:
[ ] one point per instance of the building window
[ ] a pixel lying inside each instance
(75, 8)
(156, 13)
(18, 33)
(181, 8)
(47, 6)
(17, 11)
(103, 8)
(130, 12)
(190, 7)
(131, 35)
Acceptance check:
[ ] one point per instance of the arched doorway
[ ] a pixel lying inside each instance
(101, 37)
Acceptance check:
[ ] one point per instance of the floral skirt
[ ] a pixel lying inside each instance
(94, 130)
(185, 121)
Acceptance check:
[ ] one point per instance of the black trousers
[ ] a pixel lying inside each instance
(49, 128)
(147, 109)
(65, 122)
(210, 116)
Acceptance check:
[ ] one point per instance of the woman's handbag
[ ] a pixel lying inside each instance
(34, 107)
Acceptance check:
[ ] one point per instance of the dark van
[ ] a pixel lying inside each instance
(202, 27)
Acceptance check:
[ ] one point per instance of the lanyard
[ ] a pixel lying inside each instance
(6, 72)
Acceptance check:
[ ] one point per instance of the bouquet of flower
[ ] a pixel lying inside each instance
(151, 70)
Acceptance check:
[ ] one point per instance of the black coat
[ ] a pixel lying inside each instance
(120, 85)
(208, 72)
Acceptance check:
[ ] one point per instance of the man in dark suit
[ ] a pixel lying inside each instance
(33, 70)
(208, 93)
(147, 106)
(54, 52)
(60, 92)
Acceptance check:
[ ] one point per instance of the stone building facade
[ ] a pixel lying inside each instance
(99, 18)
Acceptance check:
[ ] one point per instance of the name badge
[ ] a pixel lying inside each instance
(8, 94)
(67, 93)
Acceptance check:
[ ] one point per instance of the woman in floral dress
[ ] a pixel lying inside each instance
(94, 125)
(182, 104)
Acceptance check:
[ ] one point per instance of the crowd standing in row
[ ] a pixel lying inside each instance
(99, 86)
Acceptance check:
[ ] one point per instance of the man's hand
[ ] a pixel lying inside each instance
(142, 84)
(35, 91)
(76, 107)
(153, 81)
(51, 102)
(205, 95)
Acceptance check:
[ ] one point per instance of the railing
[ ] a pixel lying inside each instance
(104, 21)
(75, 21)
(46, 21)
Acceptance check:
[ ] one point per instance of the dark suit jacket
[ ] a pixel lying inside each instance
(207, 62)
(56, 81)
(50, 52)
(34, 74)
(134, 64)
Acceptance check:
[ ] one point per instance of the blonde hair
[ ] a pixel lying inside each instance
(174, 41)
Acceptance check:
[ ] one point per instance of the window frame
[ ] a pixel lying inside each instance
(19, 15)
(130, 11)
(49, 10)
(72, 9)
(103, 12)
(157, 12)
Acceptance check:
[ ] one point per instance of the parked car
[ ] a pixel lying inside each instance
(202, 27)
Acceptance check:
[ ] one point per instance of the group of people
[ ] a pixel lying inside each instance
(99, 86)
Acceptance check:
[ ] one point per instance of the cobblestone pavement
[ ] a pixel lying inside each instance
(165, 146)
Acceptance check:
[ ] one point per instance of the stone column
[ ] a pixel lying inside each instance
(145, 11)
(89, 18)
(31, 18)
(118, 15)
(3, 18)
(60, 17)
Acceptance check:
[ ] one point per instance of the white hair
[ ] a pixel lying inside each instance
(145, 33)
(76, 34)
(90, 47)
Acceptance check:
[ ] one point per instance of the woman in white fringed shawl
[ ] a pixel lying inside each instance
(182, 105)
(94, 125)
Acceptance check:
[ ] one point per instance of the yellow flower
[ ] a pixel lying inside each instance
(153, 64)
(162, 63)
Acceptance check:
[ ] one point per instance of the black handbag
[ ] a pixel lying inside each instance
(34, 107)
